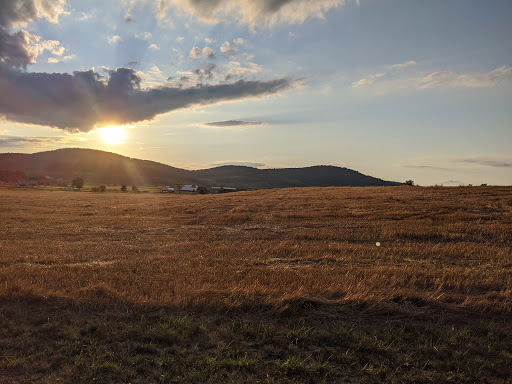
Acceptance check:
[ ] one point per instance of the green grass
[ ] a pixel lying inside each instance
(56, 339)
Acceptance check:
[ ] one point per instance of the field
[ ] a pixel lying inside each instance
(274, 286)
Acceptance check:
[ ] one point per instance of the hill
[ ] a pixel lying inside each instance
(99, 167)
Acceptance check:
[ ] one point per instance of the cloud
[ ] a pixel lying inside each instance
(488, 162)
(154, 77)
(143, 36)
(180, 39)
(84, 100)
(209, 53)
(207, 71)
(402, 65)
(248, 56)
(53, 60)
(367, 81)
(21, 48)
(18, 13)
(18, 49)
(239, 163)
(237, 70)
(451, 79)
(113, 39)
(154, 46)
(397, 79)
(231, 49)
(255, 13)
(21, 141)
(233, 124)
(425, 167)
(53, 46)
(195, 53)
(85, 16)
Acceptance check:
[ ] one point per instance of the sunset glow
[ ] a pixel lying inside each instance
(113, 134)
(272, 83)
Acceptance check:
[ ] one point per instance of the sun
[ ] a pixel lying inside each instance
(113, 134)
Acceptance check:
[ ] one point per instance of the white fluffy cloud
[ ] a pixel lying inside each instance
(237, 70)
(195, 53)
(231, 49)
(18, 13)
(143, 36)
(113, 39)
(53, 46)
(208, 53)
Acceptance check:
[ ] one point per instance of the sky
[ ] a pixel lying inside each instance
(396, 89)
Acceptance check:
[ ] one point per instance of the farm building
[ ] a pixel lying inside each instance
(189, 188)
(25, 182)
(223, 189)
(184, 188)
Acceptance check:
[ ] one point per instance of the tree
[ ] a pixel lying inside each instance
(102, 188)
(123, 188)
(178, 186)
(135, 188)
(77, 183)
(409, 182)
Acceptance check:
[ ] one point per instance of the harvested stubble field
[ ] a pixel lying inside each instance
(266, 286)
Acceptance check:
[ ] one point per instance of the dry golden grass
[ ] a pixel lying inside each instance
(444, 245)
(309, 255)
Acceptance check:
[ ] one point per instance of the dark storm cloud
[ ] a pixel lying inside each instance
(233, 123)
(80, 101)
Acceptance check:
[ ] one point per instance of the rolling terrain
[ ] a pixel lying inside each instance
(277, 286)
(99, 167)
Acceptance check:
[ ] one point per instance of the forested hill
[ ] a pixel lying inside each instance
(99, 167)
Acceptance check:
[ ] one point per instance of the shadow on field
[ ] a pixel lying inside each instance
(51, 339)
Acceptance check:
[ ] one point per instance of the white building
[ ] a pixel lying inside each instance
(189, 188)
(184, 188)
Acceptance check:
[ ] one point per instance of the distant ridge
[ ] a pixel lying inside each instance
(100, 167)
